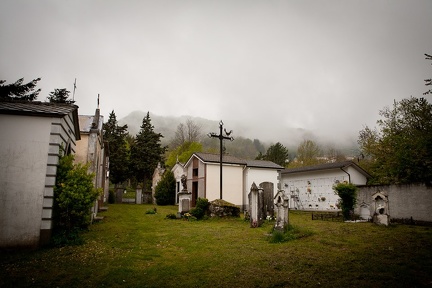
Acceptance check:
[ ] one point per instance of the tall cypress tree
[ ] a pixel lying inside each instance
(115, 135)
(146, 153)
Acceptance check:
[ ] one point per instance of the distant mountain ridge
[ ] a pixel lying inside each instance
(287, 136)
(166, 125)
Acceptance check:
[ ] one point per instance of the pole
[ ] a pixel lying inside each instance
(221, 138)
(220, 151)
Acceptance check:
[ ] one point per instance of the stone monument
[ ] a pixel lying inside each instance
(138, 195)
(281, 202)
(381, 212)
(185, 198)
(256, 206)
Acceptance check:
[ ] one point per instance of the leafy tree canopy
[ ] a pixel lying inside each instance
(399, 151)
(19, 91)
(276, 153)
(183, 153)
(307, 154)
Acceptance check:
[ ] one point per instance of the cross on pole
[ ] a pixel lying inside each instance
(221, 137)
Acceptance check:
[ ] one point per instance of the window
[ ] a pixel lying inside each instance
(195, 172)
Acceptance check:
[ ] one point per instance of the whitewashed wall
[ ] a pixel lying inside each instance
(258, 175)
(29, 153)
(232, 188)
(24, 144)
(311, 187)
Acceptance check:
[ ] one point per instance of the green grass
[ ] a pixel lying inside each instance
(132, 249)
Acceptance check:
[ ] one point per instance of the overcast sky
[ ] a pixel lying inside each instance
(324, 66)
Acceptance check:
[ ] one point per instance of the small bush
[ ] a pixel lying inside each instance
(67, 238)
(348, 197)
(289, 233)
(111, 196)
(171, 216)
(201, 208)
(165, 190)
(189, 217)
(151, 211)
(74, 195)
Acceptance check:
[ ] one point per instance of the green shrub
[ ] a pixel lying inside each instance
(151, 211)
(289, 233)
(62, 238)
(201, 208)
(171, 216)
(74, 195)
(165, 189)
(111, 196)
(347, 193)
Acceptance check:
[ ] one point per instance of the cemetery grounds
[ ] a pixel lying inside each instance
(130, 248)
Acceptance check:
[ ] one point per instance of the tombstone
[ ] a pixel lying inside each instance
(365, 211)
(381, 212)
(268, 196)
(256, 206)
(281, 202)
(185, 199)
(138, 195)
(119, 195)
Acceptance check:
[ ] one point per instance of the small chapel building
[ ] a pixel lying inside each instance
(203, 178)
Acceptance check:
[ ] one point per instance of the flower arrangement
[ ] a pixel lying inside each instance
(189, 217)
(269, 218)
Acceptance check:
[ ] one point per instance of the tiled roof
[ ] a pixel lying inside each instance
(207, 157)
(263, 164)
(228, 159)
(325, 166)
(36, 108)
(42, 109)
(86, 123)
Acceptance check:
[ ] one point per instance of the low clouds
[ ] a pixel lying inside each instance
(276, 66)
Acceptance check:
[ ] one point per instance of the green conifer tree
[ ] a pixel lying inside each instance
(146, 153)
(115, 136)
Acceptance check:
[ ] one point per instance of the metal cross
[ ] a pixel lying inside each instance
(221, 137)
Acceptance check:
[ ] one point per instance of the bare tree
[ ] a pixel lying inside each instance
(335, 155)
(308, 152)
(193, 131)
(189, 132)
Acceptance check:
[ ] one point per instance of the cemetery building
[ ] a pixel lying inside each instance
(92, 150)
(203, 178)
(311, 187)
(32, 135)
(178, 170)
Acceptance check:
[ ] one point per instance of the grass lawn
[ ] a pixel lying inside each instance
(132, 249)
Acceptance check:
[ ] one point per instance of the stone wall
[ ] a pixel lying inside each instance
(404, 201)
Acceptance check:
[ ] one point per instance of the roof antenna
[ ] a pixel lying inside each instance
(73, 95)
(98, 102)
